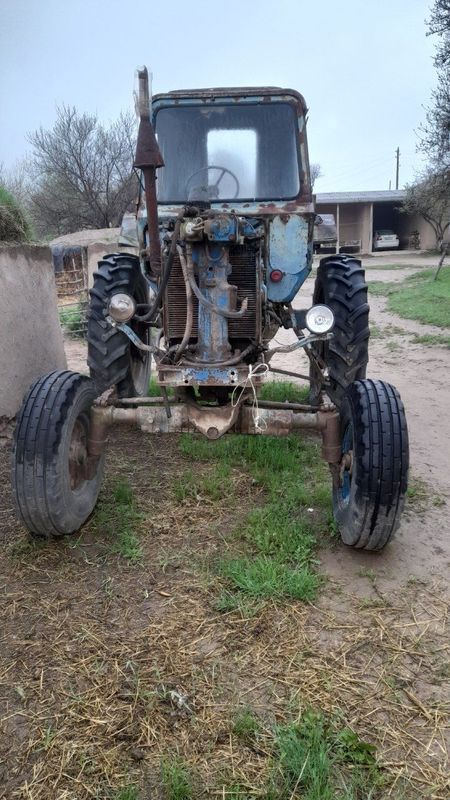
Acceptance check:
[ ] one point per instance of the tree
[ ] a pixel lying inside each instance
(316, 173)
(439, 24)
(82, 172)
(435, 133)
(430, 197)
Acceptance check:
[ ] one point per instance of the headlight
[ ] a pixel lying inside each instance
(319, 319)
(121, 307)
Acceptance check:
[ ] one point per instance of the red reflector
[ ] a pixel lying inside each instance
(276, 275)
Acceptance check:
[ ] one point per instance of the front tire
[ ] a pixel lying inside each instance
(52, 495)
(368, 502)
(340, 284)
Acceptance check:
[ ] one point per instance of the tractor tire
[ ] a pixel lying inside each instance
(113, 359)
(52, 496)
(368, 502)
(340, 285)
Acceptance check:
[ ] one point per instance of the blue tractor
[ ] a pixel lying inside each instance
(224, 238)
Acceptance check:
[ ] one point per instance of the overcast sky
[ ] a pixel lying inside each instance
(364, 67)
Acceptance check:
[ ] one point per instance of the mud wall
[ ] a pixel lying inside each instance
(31, 341)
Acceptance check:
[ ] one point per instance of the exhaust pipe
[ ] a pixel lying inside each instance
(148, 158)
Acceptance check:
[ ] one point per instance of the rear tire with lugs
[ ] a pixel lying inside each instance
(369, 500)
(52, 494)
(340, 284)
(112, 358)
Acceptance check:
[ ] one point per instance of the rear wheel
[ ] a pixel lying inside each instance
(54, 491)
(369, 499)
(340, 285)
(112, 358)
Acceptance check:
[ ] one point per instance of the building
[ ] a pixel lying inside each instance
(359, 214)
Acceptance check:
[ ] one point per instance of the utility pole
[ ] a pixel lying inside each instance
(397, 171)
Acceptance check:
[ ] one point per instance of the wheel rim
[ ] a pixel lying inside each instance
(78, 454)
(346, 469)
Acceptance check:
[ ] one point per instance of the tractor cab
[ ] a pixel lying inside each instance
(233, 146)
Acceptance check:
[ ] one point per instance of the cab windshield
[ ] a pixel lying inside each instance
(225, 152)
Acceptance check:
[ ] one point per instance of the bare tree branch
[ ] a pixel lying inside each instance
(82, 172)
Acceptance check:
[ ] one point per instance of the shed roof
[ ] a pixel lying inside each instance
(382, 196)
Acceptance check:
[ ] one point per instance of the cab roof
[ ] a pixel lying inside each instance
(265, 93)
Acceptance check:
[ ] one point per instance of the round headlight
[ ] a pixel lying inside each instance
(121, 307)
(319, 319)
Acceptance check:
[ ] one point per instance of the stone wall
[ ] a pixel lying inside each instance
(31, 341)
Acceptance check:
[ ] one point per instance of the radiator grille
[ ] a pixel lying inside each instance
(243, 275)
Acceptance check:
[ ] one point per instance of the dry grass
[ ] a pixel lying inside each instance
(111, 671)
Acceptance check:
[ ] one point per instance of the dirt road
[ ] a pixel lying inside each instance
(422, 375)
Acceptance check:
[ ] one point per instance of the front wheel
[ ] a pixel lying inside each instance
(55, 488)
(369, 496)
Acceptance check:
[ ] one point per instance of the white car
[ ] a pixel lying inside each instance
(385, 240)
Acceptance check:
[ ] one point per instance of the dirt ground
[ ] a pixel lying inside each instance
(96, 651)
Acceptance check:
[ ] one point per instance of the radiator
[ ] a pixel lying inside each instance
(243, 275)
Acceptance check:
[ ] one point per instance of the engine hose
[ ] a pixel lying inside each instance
(149, 316)
(229, 363)
(211, 306)
(189, 307)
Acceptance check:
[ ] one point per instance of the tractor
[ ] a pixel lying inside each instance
(224, 241)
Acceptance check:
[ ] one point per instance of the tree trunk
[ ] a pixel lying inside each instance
(444, 251)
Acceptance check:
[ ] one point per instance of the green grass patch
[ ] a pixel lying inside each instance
(266, 577)
(280, 537)
(389, 267)
(284, 392)
(432, 340)
(117, 517)
(418, 297)
(316, 760)
(215, 483)
(73, 320)
(176, 780)
(154, 389)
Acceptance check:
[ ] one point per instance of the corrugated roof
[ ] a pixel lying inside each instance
(386, 196)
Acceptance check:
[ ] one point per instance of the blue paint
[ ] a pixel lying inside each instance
(289, 251)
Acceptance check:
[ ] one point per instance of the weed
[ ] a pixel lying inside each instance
(176, 781)
(264, 577)
(315, 759)
(246, 725)
(444, 670)
(417, 494)
(126, 793)
(376, 332)
(215, 483)
(392, 346)
(73, 319)
(228, 601)
(283, 391)
(432, 339)
(27, 546)
(366, 572)
(117, 516)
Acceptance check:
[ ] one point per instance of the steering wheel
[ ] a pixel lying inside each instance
(212, 191)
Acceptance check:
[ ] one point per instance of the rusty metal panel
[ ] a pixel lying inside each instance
(289, 252)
